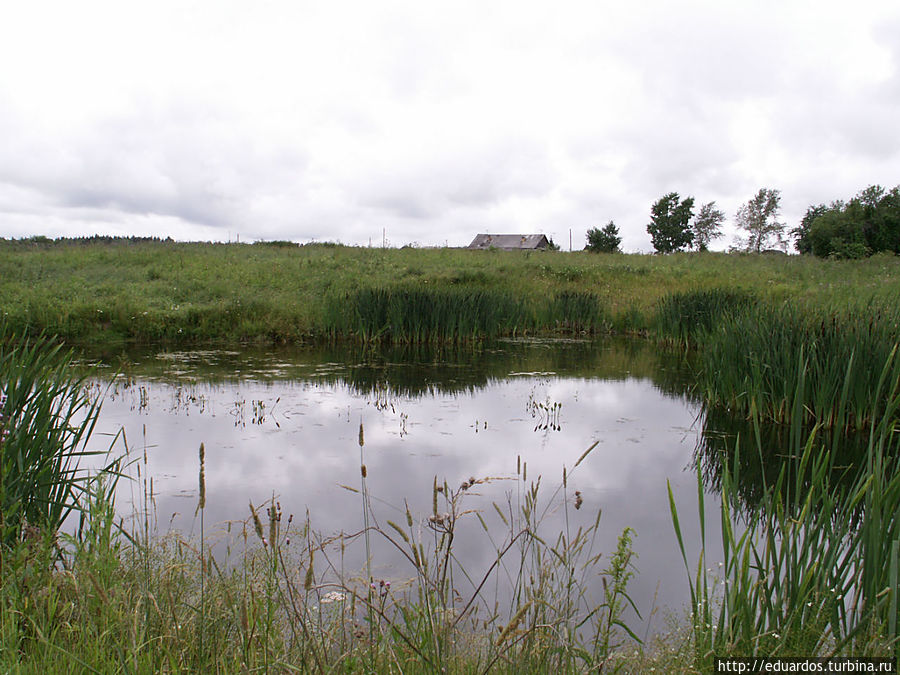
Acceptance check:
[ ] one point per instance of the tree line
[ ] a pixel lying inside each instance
(866, 224)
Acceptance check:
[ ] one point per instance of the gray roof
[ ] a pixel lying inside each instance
(509, 241)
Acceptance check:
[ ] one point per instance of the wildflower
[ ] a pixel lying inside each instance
(332, 596)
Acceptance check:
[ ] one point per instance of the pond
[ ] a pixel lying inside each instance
(286, 423)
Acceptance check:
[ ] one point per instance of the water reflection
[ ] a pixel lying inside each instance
(285, 423)
(755, 455)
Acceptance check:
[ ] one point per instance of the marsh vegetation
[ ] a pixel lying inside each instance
(797, 378)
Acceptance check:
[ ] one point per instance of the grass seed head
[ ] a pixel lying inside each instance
(202, 476)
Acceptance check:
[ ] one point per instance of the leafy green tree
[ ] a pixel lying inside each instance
(669, 226)
(605, 239)
(802, 241)
(707, 225)
(759, 219)
(868, 223)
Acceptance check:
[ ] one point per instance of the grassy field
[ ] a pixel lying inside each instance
(153, 291)
(812, 561)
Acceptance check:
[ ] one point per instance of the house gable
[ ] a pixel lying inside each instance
(510, 242)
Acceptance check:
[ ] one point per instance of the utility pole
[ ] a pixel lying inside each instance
(570, 240)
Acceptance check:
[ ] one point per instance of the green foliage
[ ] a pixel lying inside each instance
(707, 225)
(604, 240)
(669, 226)
(867, 224)
(46, 417)
(419, 315)
(151, 291)
(812, 567)
(759, 219)
(688, 317)
(778, 361)
(575, 311)
(276, 243)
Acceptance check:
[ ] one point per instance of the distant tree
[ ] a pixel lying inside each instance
(605, 239)
(669, 226)
(759, 219)
(868, 223)
(552, 245)
(707, 225)
(802, 241)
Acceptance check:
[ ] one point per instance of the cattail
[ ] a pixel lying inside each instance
(273, 525)
(202, 477)
(310, 576)
(362, 439)
(362, 470)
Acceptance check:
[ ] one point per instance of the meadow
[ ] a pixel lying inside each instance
(812, 563)
(192, 292)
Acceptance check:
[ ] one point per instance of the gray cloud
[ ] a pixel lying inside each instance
(341, 122)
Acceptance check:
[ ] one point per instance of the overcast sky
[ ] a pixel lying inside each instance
(433, 121)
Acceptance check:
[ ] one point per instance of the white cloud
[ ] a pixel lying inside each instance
(284, 120)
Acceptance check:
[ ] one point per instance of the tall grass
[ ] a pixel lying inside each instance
(46, 416)
(414, 315)
(187, 293)
(688, 317)
(288, 606)
(576, 312)
(812, 566)
(786, 360)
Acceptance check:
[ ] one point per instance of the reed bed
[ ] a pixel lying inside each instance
(776, 361)
(576, 312)
(811, 566)
(46, 417)
(687, 318)
(413, 315)
(458, 315)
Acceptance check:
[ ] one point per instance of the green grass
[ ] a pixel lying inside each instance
(789, 360)
(811, 564)
(179, 292)
(688, 318)
(46, 417)
(812, 561)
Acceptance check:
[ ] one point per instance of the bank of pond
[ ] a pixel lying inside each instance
(781, 513)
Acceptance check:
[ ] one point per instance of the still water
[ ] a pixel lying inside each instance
(286, 423)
